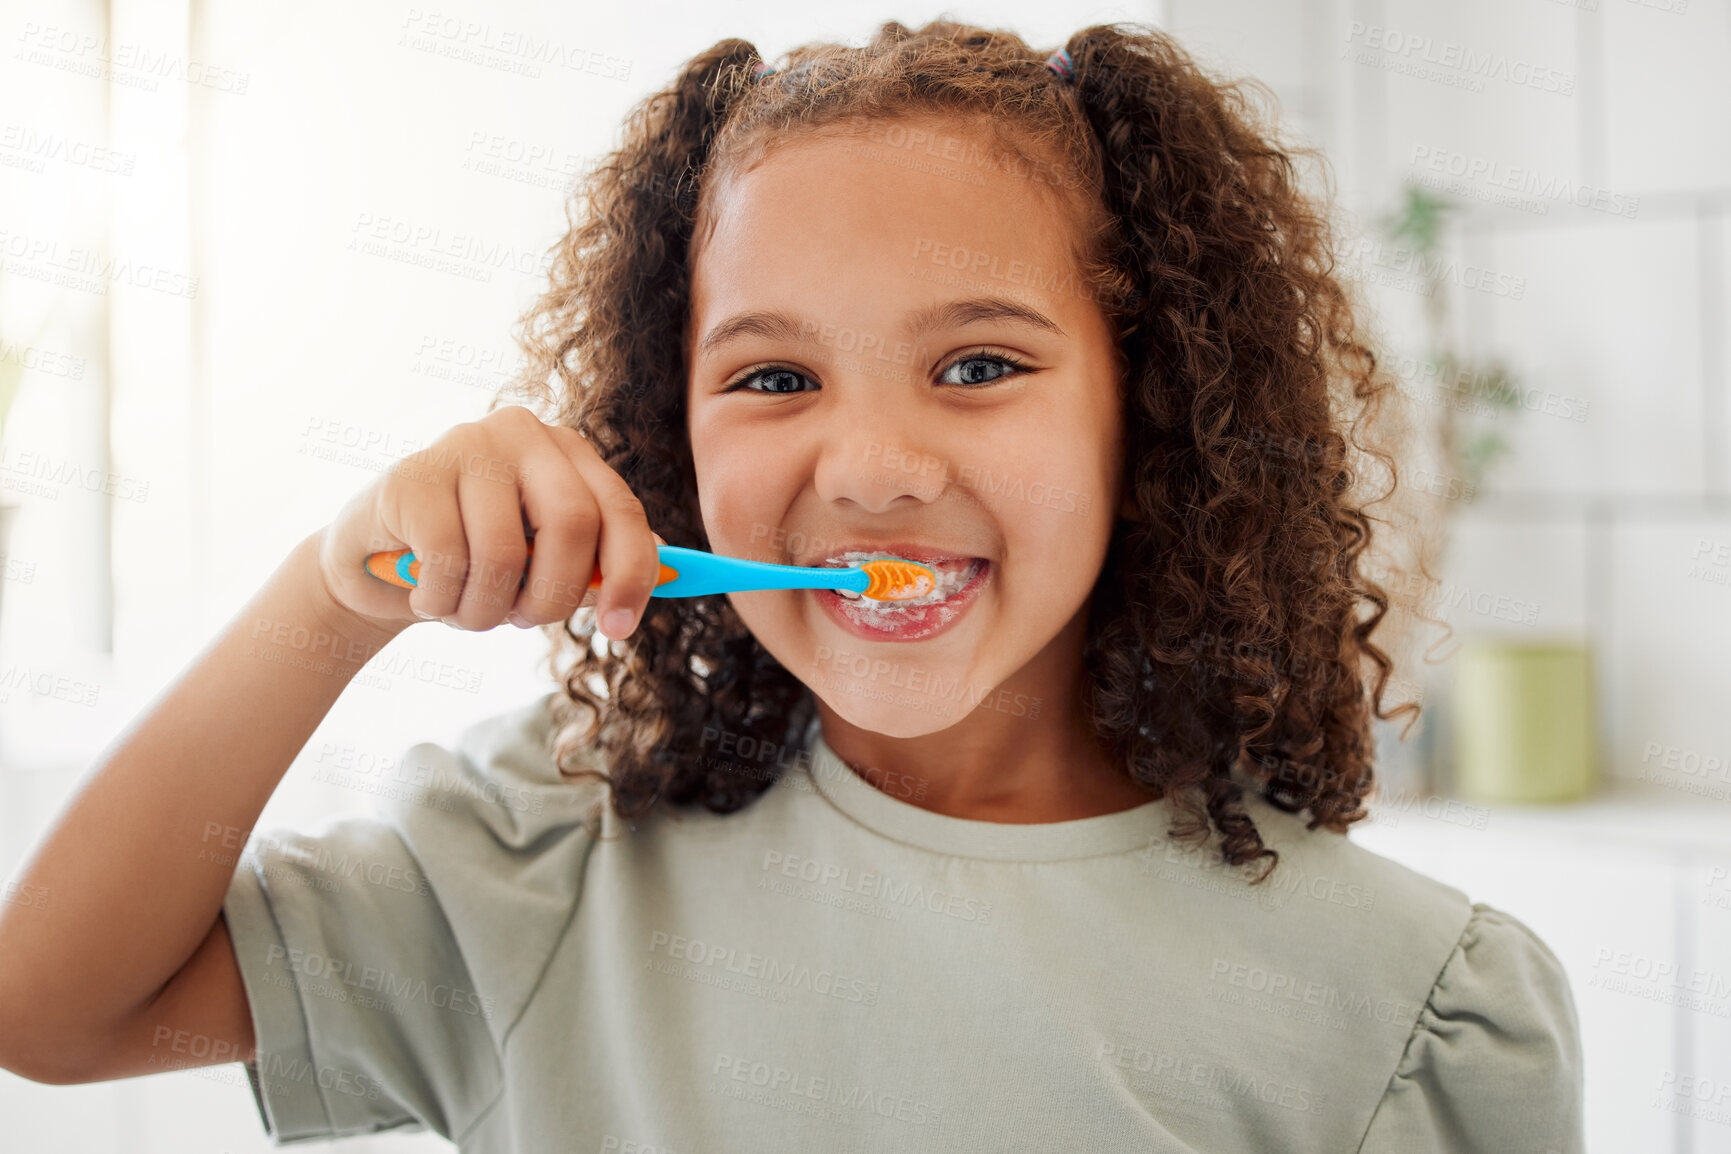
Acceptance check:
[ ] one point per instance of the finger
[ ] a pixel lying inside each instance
(566, 521)
(591, 596)
(627, 551)
(493, 524)
(431, 525)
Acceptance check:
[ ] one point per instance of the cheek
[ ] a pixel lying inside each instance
(1057, 522)
(742, 506)
(1052, 554)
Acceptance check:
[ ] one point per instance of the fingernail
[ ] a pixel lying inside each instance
(616, 623)
(452, 621)
(517, 619)
(425, 616)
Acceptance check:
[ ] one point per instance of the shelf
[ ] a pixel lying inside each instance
(1629, 813)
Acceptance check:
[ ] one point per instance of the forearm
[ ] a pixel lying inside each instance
(131, 876)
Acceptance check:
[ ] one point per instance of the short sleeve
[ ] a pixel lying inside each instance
(364, 1013)
(387, 958)
(1494, 1061)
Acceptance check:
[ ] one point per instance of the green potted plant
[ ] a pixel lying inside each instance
(1468, 431)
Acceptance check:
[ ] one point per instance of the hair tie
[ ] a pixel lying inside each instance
(761, 69)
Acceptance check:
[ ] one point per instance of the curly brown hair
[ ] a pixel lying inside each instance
(1224, 643)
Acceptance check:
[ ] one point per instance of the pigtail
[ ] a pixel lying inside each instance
(1233, 270)
(630, 220)
(606, 347)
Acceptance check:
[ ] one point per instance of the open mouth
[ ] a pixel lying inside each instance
(953, 575)
(960, 582)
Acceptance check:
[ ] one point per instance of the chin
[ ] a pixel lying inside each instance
(916, 719)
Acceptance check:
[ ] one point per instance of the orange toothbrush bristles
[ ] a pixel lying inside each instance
(893, 580)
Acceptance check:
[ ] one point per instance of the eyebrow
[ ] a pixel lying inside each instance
(781, 326)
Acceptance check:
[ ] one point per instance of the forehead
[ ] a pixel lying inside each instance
(840, 214)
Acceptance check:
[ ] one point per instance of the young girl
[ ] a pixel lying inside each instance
(1055, 861)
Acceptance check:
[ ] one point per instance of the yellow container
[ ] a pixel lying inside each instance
(1525, 724)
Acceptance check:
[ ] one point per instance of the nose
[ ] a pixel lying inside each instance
(869, 459)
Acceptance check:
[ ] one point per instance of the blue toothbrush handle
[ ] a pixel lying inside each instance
(696, 573)
(701, 573)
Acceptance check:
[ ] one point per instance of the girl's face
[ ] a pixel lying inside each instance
(892, 355)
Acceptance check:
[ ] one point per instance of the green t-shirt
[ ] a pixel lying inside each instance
(499, 958)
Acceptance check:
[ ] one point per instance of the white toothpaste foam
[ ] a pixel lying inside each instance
(950, 581)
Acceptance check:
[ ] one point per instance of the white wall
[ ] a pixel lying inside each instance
(318, 115)
(1599, 520)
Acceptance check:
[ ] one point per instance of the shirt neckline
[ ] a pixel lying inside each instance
(858, 799)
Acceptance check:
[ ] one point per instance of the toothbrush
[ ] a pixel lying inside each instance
(693, 573)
